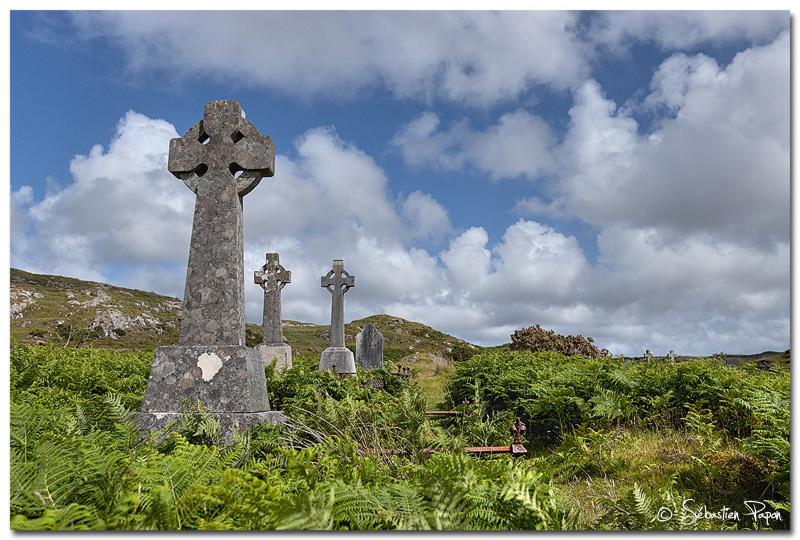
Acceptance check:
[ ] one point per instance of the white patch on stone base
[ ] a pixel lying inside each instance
(210, 363)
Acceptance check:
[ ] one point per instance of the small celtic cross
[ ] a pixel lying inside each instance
(338, 282)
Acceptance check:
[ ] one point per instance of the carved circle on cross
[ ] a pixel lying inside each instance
(341, 281)
(271, 274)
(337, 279)
(245, 180)
(224, 141)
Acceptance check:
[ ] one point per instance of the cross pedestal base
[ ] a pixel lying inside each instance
(341, 357)
(156, 421)
(280, 353)
(225, 378)
(228, 380)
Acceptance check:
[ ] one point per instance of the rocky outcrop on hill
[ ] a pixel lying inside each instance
(59, 309)
(21, 299)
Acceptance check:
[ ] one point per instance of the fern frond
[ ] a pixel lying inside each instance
(72, 517)
(643, 503)
(307, 511)
(117, 412)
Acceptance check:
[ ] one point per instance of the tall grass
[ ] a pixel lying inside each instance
(441, 363)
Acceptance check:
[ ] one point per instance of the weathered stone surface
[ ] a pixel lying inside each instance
(221, 159)
(341, 357)
(369, 348)
(113, 320)
(156, 421)
(338, 282)
(20, 299)
(101, 298)
(273, 278)
(281, 354)
(225, 378)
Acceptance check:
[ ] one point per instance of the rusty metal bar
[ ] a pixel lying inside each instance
(516, 449)
(488, 449)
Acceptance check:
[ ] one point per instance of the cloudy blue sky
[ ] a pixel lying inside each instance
(622, 175)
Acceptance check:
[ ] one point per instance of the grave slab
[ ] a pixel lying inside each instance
(369, 348)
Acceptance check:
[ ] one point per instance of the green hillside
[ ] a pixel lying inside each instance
(71, 312)
(67, 311)
(613, 444)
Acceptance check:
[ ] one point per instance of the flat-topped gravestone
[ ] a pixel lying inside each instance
(221, 158)
(369, 348)
(273, 277)
(338, 282)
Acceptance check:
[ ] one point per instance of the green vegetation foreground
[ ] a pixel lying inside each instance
(615, 446)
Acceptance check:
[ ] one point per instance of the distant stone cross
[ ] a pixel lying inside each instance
(672, 356)
(272, 277)
(648, 355)
(221, 159)
(338, 282)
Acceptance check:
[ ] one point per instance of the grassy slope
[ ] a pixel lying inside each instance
(413, 344)
(67, 301)
(590, 468)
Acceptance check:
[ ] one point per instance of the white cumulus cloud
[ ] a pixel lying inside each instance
(122, 207)
(690, 214)
(478, 58)
(677, 30)
(519, 144)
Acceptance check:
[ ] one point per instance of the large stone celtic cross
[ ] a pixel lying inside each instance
(272, 277)
(221, 158)
(338, 282)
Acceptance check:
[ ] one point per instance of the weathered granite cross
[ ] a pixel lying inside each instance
(273, 277)
(338, 282)
(221, 158)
